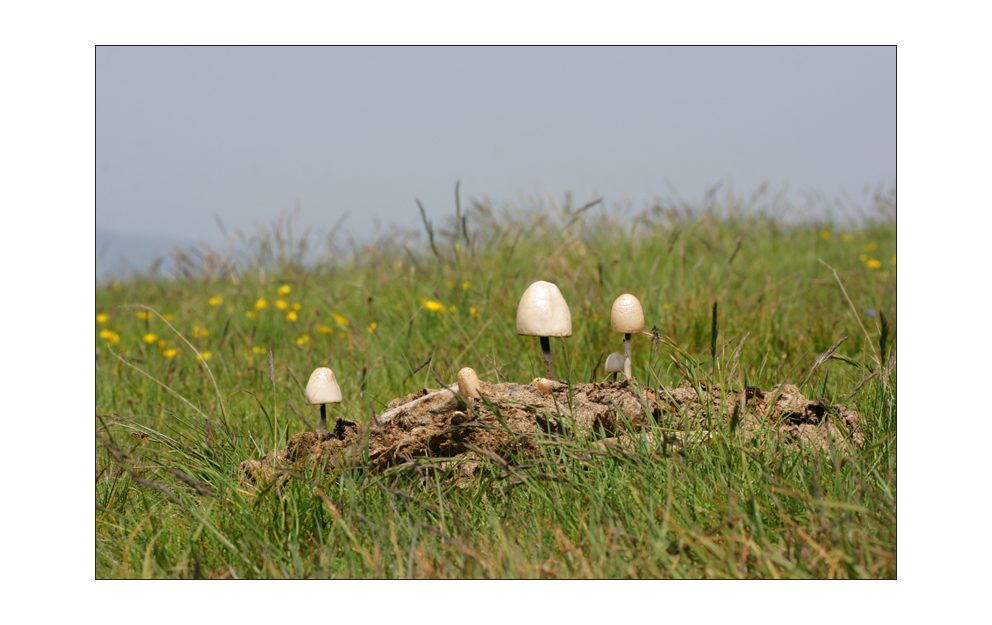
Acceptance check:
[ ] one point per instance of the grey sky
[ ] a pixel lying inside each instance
(244, 133)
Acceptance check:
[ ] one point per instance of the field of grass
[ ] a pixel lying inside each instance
(198, 373)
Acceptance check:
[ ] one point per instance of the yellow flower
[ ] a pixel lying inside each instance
(341, 320)
(472, 311)
(466, 285)
(281, 305)
(213, 301)
(261, 304)
(874, 264)
(110, 335)
(251, 314)
(102, 318)
(433, 306)
(258, 350)
(825, 234)
(150, 338)
(203, 356)
(325, 330)
(863, 258)
(170, 353)
(144, 314)
(303, 340)
(342, 335)
(871, 247)
(665, 306)
(284, 290)
(167, 317)
(161, 343)
(291, 316)
(372, 327)
(452, 308)
(297, 306)
(846, 237)
(199, 332)
(893, 260)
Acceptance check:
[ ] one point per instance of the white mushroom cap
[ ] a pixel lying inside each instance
(542, 311)
(614, 362)
(627, 316)
(322, 388)
(542, 384)
(468, 383)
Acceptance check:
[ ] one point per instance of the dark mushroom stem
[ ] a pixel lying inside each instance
(323, 416)
(626, 352)
(549, 369)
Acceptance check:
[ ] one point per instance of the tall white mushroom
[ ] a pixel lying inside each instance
(322, 388)
(627, 317)
(542, 312)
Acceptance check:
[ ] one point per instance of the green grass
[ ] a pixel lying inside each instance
(171, 431)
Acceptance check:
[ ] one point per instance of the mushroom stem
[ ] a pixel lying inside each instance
(549, 369)
(323, 417)
(626, 350)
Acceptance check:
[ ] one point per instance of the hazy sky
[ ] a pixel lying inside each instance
(185, 133)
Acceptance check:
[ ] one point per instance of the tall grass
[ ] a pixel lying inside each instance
(734, 296)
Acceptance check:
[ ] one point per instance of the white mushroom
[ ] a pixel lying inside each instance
(468, 383)
(322, 388)
(542, 384)
(542, 312)
(627, 317)
(615, 363)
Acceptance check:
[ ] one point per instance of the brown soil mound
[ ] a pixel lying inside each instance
(440, 424)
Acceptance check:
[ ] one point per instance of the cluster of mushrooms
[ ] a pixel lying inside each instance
(542, 312)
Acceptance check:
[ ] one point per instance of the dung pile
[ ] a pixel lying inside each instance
(440, 424)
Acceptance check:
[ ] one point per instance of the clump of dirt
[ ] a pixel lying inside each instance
(440, 424)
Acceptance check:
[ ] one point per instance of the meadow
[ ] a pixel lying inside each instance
(201, 371)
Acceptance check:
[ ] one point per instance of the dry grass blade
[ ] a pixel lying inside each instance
(735, 359)
(853, 309)
(861, 382)
(824, 357)
(681, 368)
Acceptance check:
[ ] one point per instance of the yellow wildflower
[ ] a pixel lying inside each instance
(825, 234)
(284, 290)
(372, 327)
(665, 306)
(167, 317)
(251, 314)
(110, 335)
(199, 332)
(213, 301)
(466, 285)
(874, 264)
(102, 318)
(893, 259)
(258, 350)
(291, 316)
(150, 338)
(342, 335)
(261, 304)
(144, 314)
(452, 308)
(170, 353)
(472, 311)
(325, 330)
(297, 306)
(281, 305)
(303, 340)
(871, 247)
(341, 320)
(161, 343)
(203, 356)
(433, 306)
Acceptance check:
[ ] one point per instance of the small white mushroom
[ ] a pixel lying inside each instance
(542, 384)
(542, 312)
(627, 317)
(468, 383)
(322, 388)
(615, 364)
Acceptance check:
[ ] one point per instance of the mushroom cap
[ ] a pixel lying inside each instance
(542, 311)
(322, 388)
(614, 362)
(627, 315)
(542, 384)
(468, 383)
